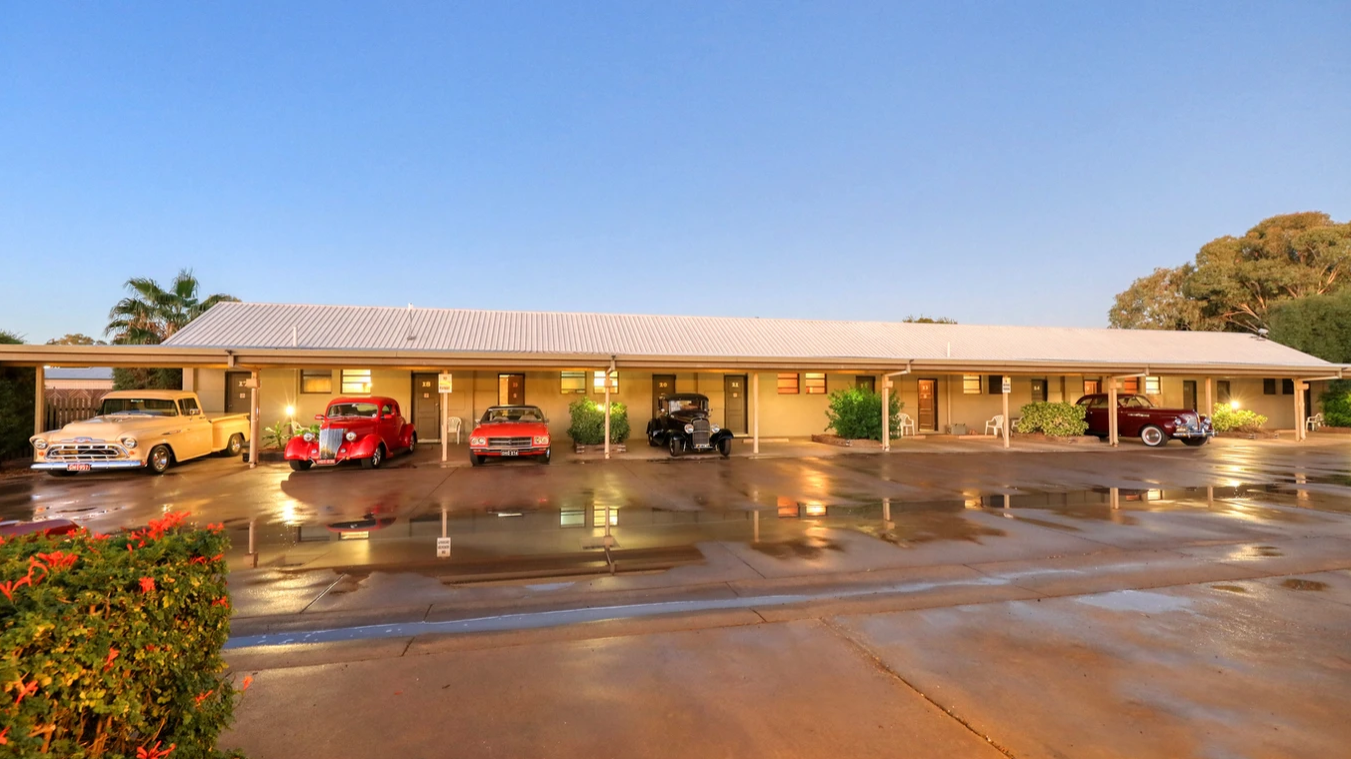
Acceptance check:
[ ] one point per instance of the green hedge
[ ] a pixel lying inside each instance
(856, 414)
(1053, 419)
(1336, 401)
(1229, 419)
(588, 422)
(111, 645)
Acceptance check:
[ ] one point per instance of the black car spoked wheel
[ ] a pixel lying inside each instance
(725, 447)
(1152, 436)
(677, 445)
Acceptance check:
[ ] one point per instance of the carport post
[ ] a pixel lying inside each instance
(40, 401)
(253, 425)
(1210, 401)
(1111, 412)
(608, 375)
(755, 412)
(1299, 410)
(1007, 421)
(886, 406)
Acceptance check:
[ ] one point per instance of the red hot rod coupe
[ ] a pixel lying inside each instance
(366, 429)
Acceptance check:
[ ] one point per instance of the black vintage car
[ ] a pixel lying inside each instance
(683, 426)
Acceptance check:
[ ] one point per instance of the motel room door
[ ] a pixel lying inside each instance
(1189, 394)
(662, 386)
(928, 405)
(426, 408)
(236, 394)
(734, 396)
(510, 389)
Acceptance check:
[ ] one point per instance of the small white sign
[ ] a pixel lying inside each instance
(445, 383)
(443, 548)
(1008, 385)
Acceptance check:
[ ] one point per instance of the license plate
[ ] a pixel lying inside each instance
(326, 462)
(510, 453)
(78, 468)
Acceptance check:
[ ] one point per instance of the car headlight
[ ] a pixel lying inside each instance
(40, 444)
(541, 440)
(308, 437)
(128, 442)
(1177, 422)
(351, 436)
(478, 441)
(714, 429)
(689, 428)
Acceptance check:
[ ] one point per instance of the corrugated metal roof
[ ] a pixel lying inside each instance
(444, 330)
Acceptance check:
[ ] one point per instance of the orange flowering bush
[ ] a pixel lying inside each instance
(111, 646)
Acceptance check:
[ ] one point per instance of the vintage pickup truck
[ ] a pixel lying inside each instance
(140, 429)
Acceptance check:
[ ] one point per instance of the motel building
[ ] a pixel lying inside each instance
(764, 378)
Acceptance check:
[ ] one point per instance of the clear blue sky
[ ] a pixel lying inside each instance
(992, 162)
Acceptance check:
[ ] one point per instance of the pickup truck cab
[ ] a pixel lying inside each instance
(1137, 416)
(140, 429)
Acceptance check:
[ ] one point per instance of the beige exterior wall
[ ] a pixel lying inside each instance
(781, 415)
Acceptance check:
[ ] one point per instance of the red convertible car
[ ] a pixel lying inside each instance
(510, 432)
(1137, 417)
(366, 429)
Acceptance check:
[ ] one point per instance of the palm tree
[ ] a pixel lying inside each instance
(150, 314)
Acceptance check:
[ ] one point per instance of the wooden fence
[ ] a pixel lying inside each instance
(66, 406)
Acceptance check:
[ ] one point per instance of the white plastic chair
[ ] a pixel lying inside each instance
(1315, 421)
(995, 426)
(453, 424)
(907, 424)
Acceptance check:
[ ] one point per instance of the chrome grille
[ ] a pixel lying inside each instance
(97, 451)
(330, 441)
(702, 431)
(509, 442)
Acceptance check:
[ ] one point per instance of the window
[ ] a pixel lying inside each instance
(971, 384)
(1092, 386)
(598, 382)
(996, 384)
(1222, 391)
(1268, 387)
(355, 381)
(815, 382)
(866, 382)
(1039, 390)
(1131, 385)
(319, 381)
(189, 406)
(573, 382)
(787, 384)
(1287, 387)
(1152, 386)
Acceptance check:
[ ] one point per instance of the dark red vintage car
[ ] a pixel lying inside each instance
(510, 432)
(1138, 417)
(366, 429)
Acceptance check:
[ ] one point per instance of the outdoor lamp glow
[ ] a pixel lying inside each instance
(1233, 404)
(290, 411)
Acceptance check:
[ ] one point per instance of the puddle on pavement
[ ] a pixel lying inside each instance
(807, 548)
(1298, 583)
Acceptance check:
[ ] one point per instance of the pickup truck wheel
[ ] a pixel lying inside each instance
(235, 446)
(1196, 442)
(159, 459)
(300, 466)
(1152, 436)
(377, 458)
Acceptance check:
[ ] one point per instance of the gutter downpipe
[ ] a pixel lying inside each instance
(886, 403)
(608, 376)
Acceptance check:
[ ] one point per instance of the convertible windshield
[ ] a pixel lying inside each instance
(686, 405)
(350, 410)
(500, 414)
(146, 406)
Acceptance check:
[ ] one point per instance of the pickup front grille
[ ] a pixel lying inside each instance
(509, 442)
(330, 441)
(75, 452)
(702, 432)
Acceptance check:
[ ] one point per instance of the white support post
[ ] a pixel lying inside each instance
(609, 374)
(1111, 412)
(886, 406)
(1299, 410)
(1007, 421)
(1210, 399)
(755, 413)
(443, 402)
(40, 401)
(253, 422)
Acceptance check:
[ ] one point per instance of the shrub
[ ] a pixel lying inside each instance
(278, 435)
(856, 414)
(1336, 401)
(1227, 419)
(588, 422)
(17, 386)
(1053, 419)
(110, 646)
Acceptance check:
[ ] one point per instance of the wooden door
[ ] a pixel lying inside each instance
(426, 407)
(510, 389)
(662, 386)
(734, 403)
(236, 394)
(928, 405)
(1189, 394)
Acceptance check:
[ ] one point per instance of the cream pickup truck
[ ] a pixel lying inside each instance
(135, 429)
